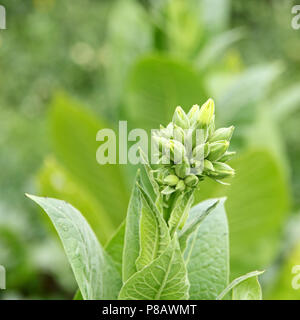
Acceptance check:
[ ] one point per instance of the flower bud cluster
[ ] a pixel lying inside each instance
(190, 149)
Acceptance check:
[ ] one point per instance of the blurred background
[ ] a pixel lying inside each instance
(70, 68)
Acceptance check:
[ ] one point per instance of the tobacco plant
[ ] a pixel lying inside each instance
(168, 248)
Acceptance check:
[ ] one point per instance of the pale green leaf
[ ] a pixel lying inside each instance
(192, 225)
(115, 245)
(131, 239)
(257, 204)
(153, 233)
(180, 210)
(207, 252)
(74, 131)
(56, 182)
(156, 86)
(237, 282)
(93, 269)
(249, 289)
(164, 279)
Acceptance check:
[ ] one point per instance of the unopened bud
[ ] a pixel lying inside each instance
(193, 114)
(178, 134)
(181, 119)
(208, 166)
(206, 114)
(191, 181)
(201, 151)
(217, 150)
(182, 170)
(171, 180)
(227, 156)
(222, 134)
(222, 170)
(180, 185)
(177, 151)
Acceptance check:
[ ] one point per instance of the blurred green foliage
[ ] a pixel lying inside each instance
(69, 69)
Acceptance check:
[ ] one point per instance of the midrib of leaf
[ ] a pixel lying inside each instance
(157, 297)
(237, 281)
(157, 237)
(191, 248)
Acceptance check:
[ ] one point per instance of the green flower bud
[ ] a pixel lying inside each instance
(191, 181)
(217, 150)
(193, 114)
(212, 127)
(178, 134)
(182, 170)
(208, 166)
(222, 170)
(201, 151)
(177, 151)
(222, 134)
(206, 114)
(180, 185)
(227, 156)
(181, 119)
(171, 180)
(166, 132)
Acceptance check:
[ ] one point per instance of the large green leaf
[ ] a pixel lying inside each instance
(246, 290)
(95, 273)
(131, 239)
(74, 131)
(164, 279)
(249, 289)
(256, 207)
(156, 86)
(56, 182)
(207, 252)
(180, 211)
(115, 245)
(193, 225)
(153, 232)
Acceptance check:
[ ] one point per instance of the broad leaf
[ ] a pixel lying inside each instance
(74, 132)
(193, 225)
(115, 245)
(94, 271)
(156, 85)
(164, 279)
(180, 211)
(56, 182)
(249, 289)
(131, 239)
(237, 282)
(257, 203)
(153, 233)
(207, 252)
